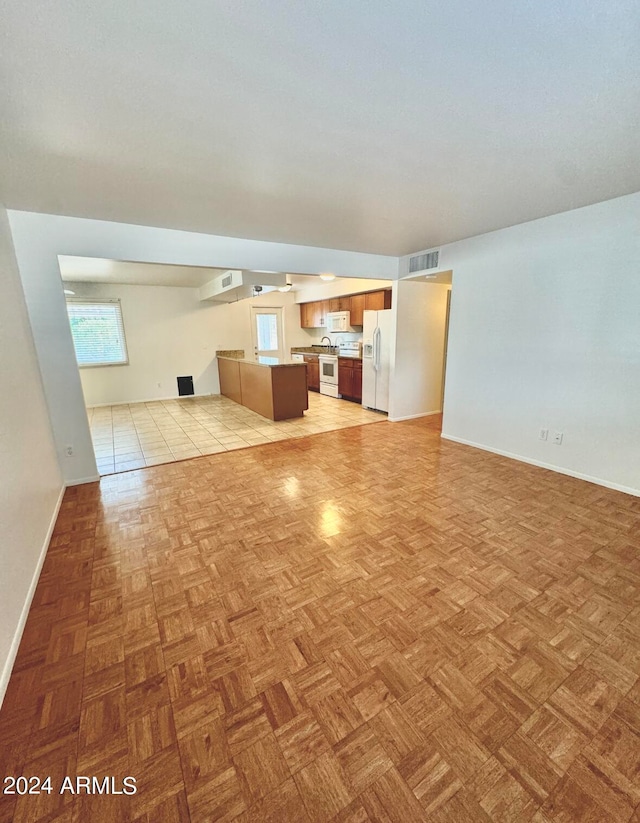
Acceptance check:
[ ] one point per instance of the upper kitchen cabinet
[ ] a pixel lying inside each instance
(340, 304)
(323, 309)
(314, 315)
(307, 315)
(374, 301)
(356, 307)
(370, 301)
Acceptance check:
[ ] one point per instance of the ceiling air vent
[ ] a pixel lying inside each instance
(226, 281)
(421, 262)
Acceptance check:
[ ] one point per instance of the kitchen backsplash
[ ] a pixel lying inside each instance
(347, 337)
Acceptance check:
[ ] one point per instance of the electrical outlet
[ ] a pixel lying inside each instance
(557, 438)
(543, 434)
(68, 450)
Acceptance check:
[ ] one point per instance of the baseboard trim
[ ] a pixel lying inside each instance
(414, 416)
(93, 479)
(150, 400)
(24, 614)
(550, 466)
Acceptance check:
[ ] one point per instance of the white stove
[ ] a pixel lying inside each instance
(329, 374)
(351, 349)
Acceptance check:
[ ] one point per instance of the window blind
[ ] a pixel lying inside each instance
(98, 332)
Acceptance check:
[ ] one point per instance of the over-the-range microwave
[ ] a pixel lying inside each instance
(339, 321)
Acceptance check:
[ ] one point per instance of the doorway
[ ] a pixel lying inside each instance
(422, 317)
(267, 332)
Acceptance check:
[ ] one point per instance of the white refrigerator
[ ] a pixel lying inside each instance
(376, 359)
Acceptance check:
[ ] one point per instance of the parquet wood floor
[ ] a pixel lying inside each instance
(366, 625)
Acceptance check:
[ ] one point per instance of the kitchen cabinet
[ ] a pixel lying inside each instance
(374, 301)
(356, 307)
(314, 315)
(369, 301)
(323, 308)
(340, 304)
(306, 315)
(357, 380)
(313, 372)
(275, 390)
(350, 378)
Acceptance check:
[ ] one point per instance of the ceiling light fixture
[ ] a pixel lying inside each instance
(327, 277)
(68, 291)
(285, 288)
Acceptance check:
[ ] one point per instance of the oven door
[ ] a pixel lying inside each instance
(329, 370)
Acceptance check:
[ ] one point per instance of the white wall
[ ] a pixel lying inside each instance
(39, 238)
(170, 332)
(30, 478)
(544, 332)
(419, 311)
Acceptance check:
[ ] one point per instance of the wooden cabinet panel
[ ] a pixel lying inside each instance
(306, 315)
(323, 308)
(313, 372)
(314, 315)
(357, 381)
(350, 378)
(345, 378)
(374, 301)
(229, 373)
(276, 392)
(356, 307)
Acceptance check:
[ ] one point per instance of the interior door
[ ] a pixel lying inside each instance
(267, 332)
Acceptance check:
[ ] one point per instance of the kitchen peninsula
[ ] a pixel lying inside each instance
(275, 388)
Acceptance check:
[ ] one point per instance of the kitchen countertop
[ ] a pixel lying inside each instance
(269, 362)
(317, 352)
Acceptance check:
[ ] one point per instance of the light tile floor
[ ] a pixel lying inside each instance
(135, 435)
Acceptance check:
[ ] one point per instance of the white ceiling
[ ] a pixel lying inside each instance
(375, 126)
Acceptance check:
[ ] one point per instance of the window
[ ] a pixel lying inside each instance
(267, 327)
(98, 332)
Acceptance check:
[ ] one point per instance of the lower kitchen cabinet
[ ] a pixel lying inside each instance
(313, 372)
(350, 378)
(357, 381)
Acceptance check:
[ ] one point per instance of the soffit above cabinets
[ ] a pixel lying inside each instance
(234, 284)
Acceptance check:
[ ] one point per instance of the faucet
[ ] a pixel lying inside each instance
(326, 338)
